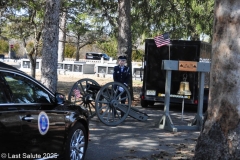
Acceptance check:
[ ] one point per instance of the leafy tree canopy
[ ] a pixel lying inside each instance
(97, 20)
(184, 19)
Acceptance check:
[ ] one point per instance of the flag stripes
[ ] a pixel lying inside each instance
(162, 40)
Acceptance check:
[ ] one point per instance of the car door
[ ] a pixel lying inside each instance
(10, 124)
(43, 131)
(42, 126)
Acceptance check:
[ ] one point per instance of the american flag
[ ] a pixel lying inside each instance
(77, 93)
(162, 40)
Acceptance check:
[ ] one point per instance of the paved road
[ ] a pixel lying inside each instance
(137, 140)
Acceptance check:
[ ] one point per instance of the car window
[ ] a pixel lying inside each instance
(25, 91)
(96, 54)
(105, 55)
(89, 54)
(5, 92)
(2, 97)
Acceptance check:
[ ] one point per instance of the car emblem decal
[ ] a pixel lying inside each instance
(43, 123)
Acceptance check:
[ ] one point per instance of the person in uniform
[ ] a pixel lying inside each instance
(121, 74)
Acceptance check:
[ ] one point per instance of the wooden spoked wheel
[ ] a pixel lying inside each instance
(81, 94)
(109, 103)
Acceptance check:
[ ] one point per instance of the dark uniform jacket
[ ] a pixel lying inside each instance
(120, 75)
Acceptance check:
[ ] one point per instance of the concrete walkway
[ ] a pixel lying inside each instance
(137, 140)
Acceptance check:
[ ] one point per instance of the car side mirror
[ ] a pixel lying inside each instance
(59, 98)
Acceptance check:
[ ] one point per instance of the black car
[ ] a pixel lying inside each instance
(97, 56)
(36, 123)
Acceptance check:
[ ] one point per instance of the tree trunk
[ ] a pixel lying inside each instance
(50, 45)
(220, 135)
(125, 34)
(62, 36)
(78, 47)
(33, 63)
(33, 56)
(25, 48)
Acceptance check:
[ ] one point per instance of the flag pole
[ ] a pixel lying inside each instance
(169, 45)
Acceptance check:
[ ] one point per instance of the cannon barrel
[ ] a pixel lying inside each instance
(92, 87)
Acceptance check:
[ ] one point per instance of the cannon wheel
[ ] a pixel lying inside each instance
(108, 103)
(80, 95)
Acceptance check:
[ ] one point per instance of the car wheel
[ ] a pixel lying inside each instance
(76, 143)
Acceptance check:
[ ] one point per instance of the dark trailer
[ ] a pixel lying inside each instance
(153, 89)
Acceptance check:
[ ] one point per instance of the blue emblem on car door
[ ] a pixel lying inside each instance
(43, 123)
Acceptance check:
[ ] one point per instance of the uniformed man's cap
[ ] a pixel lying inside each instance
(122, 58)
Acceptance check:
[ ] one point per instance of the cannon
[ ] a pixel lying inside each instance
(105, 101)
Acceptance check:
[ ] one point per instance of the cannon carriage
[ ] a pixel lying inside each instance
(105, 101)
